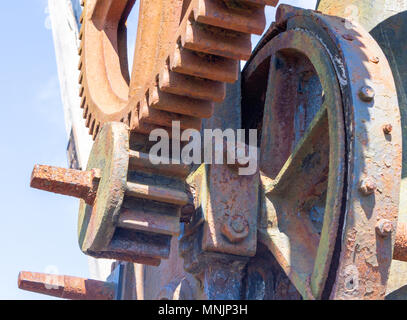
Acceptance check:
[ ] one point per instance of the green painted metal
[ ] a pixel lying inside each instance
(110, 154)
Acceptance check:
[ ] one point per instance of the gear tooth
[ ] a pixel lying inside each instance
(80, 77)
(140, 126)
(236, 16)
(180, 104)
(225, 43)
(96, 131)
(81, 91)
(204, 65)
(88, 120)
(80, 63)
(85, 111)
(189, 86)
(92, 127)
(165, 119)
(83, 102)
(81, 32)
(83, 2)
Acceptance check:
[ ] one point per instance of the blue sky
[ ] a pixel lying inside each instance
(37, 229)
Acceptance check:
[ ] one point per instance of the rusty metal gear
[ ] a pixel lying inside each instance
(330, 173)
(186, 51)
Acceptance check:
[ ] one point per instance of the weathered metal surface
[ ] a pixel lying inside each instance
(110, 154)
(126, 214)
(387, 22)
(222, 234)
(266, 280)
(69, 182)
(228, 219)
(361, 259)
(299, 163)
(330, 164)
(400, 245)
(185, 51)
(170, 280)
(66, 287)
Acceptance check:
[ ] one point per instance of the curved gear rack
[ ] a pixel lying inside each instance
(185, 53)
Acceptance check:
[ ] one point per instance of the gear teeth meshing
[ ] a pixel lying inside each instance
(217, 41)
(146, 128)
(213, 36)
(193, 87)
(179, 104)
(204, 65)
(141, 161)
(165, 119)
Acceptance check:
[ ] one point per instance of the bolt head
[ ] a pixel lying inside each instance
(367, 187)
(236, 228)
(387, 128)
(375, 59)
(366, 93)
(384, 227)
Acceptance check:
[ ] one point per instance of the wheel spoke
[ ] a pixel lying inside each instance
(299, 155)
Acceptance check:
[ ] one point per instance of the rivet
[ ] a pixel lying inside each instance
(374, 59)
(387, 128)
(384, 227)
(367, 187)
(366, 93)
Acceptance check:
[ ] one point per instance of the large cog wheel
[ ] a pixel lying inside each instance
(186, 51)
(324, 98)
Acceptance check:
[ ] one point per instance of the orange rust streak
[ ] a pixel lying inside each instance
(75, 183)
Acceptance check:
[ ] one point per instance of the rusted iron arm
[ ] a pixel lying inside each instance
(66, 287)
(69, 182)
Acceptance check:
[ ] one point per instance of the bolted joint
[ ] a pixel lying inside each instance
(236, 228)
(69, 182)
(366, 93)
(384, 228)
(66, 287)
(387, 128)
(367, 187)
